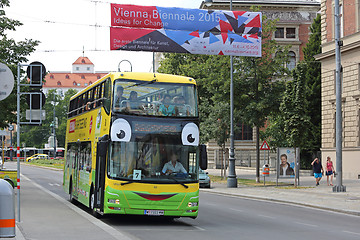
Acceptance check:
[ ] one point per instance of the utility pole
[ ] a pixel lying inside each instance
(54, 129)
(338, 43)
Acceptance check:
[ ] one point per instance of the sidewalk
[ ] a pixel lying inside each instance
(45, 215)
(310, 195)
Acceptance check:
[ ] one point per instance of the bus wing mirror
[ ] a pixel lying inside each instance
(103, 145)
(203, 157)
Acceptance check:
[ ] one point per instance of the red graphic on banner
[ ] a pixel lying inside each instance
(195, 34)
(255, 22)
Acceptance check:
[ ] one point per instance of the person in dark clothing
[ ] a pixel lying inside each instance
(318, 170)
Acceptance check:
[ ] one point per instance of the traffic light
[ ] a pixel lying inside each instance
(36, 72)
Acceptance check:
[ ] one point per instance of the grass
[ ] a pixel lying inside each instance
(57, 163)
(245, 182)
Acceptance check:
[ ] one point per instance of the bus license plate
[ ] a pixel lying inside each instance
(154, 212)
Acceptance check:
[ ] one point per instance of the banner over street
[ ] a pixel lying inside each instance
(196, 31)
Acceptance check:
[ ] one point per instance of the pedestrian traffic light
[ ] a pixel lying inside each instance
(36, 72)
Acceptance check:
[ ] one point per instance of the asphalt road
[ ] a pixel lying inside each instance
(222, 217)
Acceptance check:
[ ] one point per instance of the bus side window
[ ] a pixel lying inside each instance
(100, 91)
(107, 95)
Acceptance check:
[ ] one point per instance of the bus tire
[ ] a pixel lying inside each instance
(92, 203)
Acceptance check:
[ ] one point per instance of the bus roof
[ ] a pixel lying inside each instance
(143, 76)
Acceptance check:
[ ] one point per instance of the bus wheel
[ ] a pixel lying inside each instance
(92, 204)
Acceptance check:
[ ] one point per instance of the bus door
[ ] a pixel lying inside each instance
(76, 175)
(100, 172)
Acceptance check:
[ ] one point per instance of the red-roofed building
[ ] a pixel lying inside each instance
(81, 76)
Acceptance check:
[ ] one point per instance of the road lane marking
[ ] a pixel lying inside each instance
(351, 232)
(238, 210)
(54, 184)
(199, 228)
(266, 216)
(307, 224)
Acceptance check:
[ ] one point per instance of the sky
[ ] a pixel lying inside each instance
(65, 28)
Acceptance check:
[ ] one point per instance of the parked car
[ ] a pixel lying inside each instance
(37, 156)
(204, 179)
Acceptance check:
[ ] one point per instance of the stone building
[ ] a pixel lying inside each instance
(350, 61)
(294, 20)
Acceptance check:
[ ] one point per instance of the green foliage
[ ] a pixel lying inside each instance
(304, 122)
(293, 109)
(259, 82)
(11, 53)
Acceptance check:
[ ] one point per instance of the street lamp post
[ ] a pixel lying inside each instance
(231, 181)
(53, 127)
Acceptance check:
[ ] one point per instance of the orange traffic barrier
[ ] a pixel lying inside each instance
(7, 223)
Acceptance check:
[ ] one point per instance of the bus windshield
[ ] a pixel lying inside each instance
(153, 158)
(155, 98)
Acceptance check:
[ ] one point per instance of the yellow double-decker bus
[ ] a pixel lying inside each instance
(132, 146)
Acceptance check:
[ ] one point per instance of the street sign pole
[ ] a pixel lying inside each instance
(18, 142)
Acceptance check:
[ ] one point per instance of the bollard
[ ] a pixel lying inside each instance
(7, 210)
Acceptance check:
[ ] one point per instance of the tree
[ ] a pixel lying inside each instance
(307, 73)
(259, 83)
(11, 53)
(293, 108)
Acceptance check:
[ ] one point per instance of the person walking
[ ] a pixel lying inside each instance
(318, 170)
(329, 171)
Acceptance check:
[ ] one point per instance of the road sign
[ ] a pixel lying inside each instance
(265, 146)
(6, 81)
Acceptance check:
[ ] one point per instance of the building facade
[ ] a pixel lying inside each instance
(292, 29)
(82, 75)
(350, 61)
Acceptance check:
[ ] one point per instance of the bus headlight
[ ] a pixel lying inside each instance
(116, 201)
(193, 204)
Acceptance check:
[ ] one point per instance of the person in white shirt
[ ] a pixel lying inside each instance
(173, 166)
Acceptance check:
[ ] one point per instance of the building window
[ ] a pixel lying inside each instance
(67, 76)
(85, 84)
(88, 68)
(98, 76)
(287, 33)
(51, 76)
(74, 83)
(292, 61)
(79, 84)
(77, 68)
(90, 82)
(59, 83)
(279, 33)
(83, 61)
(82, 77)
(243, 132)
